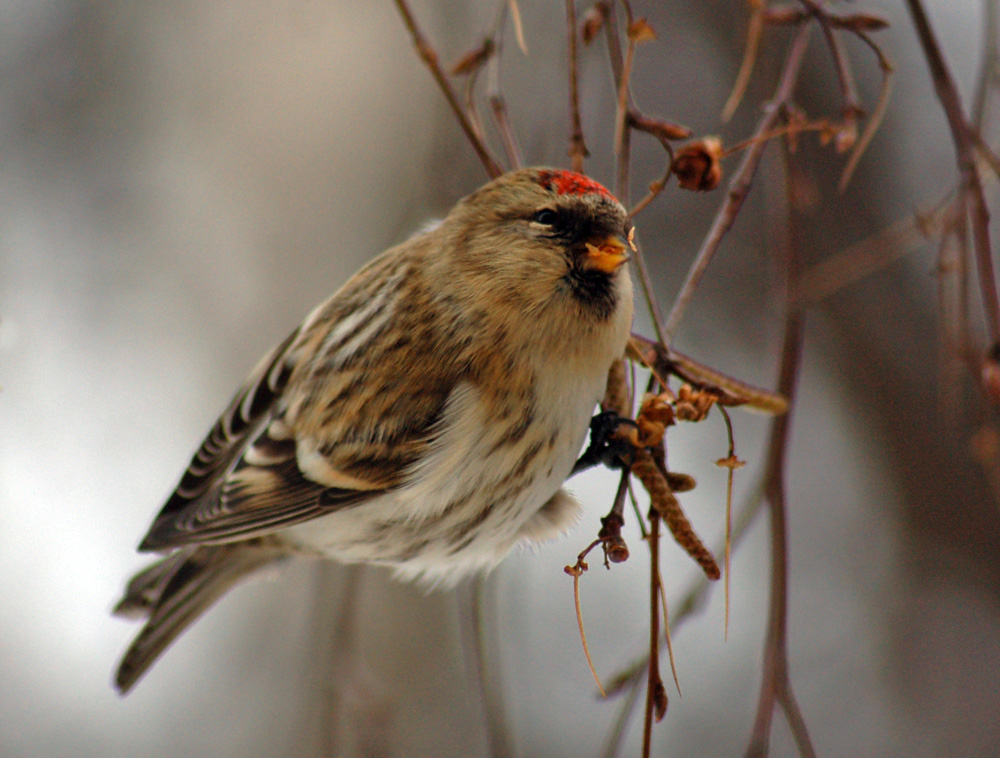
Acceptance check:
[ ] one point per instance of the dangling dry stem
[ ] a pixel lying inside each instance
(576, 571)
(666, 633)
(731, 463)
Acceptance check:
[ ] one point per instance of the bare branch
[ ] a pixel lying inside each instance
(947, 92)
(739, 185)
(430, 57)
(577, 147)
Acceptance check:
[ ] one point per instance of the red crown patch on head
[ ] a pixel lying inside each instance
(571, 183)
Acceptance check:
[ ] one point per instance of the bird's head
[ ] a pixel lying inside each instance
(545, 243)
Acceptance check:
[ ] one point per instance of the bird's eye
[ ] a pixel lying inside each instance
(545, 216)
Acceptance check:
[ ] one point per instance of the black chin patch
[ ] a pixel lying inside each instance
(594, 290)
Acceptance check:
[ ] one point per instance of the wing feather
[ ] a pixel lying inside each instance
(310, 431)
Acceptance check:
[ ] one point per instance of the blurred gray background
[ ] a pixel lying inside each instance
(181, 182)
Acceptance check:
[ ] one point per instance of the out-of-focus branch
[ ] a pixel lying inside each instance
(989, 68)
(947, 92)
(430, 57)
(577, 147)
(623, 154)
(776, 687)
(739, 185)
(692, 601)
(848, 91)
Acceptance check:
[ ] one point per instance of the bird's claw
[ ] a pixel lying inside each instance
(606, 446)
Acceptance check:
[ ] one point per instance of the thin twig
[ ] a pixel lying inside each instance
(430, 57)
(848, 91)
(739, 185)
(577, 146)
(878, 113)
(623, 154)
(989, 68)
(947, 92)
(494, 93)
(776, 685)
(692, 601)
(754, 30)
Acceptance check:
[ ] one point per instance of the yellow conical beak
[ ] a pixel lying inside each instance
(606, 255)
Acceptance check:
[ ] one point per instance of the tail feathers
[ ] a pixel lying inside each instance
(175, 590)
(146, 587)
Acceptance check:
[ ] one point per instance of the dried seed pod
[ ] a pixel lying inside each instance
(692, 404)
(655, 415)
(989, 376)
(663, 500)
(679, 482)
(697, 165)
(473, 59)
(616, 550)
(640, 31)
(659, 701)
(593, 22)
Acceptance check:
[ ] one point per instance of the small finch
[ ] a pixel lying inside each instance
(424, 417)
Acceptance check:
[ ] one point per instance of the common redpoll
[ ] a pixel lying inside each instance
(424, 417)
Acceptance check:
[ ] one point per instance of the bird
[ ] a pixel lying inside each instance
(425, 417)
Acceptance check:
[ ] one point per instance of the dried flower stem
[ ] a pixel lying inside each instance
(878, 113)
(623, 153)
(576, 572)
(731, 463)
(656, 696)
(754, 31)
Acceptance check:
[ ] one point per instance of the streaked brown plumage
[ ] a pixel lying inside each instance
(424, 417)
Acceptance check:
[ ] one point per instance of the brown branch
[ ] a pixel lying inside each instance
(848, 91)
(776, 688)
(577, 147)
(989, 68)
(692, 601)
(623, 153)
(863, 258)
(494, 94)
(739, 185)
(947, 93)
(664, 361)
(430, 57)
